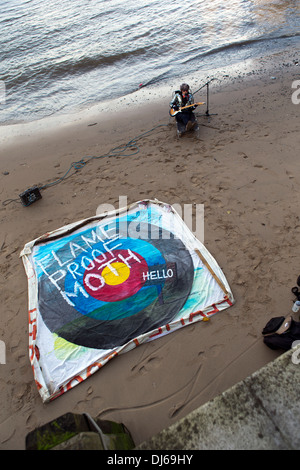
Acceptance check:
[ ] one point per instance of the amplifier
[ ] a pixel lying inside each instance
(30, 196)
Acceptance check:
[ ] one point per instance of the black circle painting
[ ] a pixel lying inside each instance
(101, 292)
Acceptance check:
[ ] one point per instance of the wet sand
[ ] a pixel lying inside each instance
(244, 167)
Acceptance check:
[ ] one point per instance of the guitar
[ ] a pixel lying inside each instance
(173, 112)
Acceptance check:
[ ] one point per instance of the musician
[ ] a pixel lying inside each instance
(185, 119)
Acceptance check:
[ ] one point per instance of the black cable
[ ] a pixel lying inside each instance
(126, 150)
(8, 201)
(116, 151)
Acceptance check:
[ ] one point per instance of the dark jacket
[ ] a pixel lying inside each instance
(179, 102)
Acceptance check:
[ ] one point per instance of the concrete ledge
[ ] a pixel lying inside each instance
(261, 412)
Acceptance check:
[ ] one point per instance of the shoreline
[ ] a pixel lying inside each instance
(227, 76)
(243, 168)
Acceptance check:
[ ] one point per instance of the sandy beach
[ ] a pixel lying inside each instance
(244, 167)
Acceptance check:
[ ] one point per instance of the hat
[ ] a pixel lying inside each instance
(184, 87)
(277, 325)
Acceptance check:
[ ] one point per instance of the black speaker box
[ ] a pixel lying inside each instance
(30, 196)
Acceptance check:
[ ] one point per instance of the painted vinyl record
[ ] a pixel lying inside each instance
(103, 295)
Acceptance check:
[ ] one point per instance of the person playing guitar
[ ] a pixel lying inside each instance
(182, 107)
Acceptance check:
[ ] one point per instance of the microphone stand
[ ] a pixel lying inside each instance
(207, 113)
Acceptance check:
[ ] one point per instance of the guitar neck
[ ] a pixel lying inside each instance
(185, 107)
(173, 113)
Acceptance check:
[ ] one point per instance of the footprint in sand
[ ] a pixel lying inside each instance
(173, 412)
(179, 168)
(96, 403)
(290, 175)
(215, 350)
(31, 420)
(242, 154)
(196, 359)
(147, 365)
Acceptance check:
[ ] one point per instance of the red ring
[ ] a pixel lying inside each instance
(94, 283)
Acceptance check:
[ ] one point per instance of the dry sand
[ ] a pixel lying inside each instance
(244, 168)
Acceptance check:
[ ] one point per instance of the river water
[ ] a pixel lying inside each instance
(57, 56)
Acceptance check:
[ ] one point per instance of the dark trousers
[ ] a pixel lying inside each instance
(183, 118)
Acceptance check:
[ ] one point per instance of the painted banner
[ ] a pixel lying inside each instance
(102, 286)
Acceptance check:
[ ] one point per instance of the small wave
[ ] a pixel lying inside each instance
(238, 44)
(70, 67)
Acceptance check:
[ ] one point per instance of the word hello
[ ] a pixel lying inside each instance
(157, 275)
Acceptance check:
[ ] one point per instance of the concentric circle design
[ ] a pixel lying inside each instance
(116, 280)
(101, 293)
